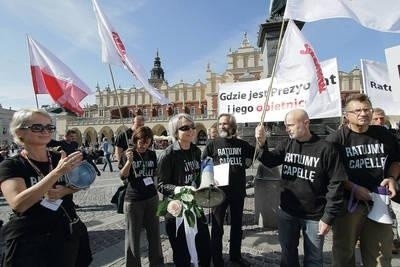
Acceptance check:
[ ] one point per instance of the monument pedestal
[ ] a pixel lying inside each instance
(267, 191)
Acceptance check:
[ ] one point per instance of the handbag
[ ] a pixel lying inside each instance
(118, 198)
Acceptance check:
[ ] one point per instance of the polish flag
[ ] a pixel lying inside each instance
(51, 76)
(114, 52)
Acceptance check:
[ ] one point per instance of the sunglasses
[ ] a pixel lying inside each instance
(38, 128)
(186, 128)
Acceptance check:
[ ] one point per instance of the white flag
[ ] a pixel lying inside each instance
(377, 86)
(393, 66)
(114, 52)
(382, 15)
(297, 62)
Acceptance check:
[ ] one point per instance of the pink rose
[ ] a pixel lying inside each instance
(174, 207)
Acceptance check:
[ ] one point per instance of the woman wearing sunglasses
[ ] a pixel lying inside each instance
(141, 199)
(42, 229)
(179, 166)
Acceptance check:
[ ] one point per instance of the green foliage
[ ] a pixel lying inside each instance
(190, 208)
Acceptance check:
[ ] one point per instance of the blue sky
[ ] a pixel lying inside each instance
(188, 35)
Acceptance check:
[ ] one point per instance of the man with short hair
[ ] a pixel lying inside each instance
(69, 144)
(371, 157)
(226, 148)
(121, 140)
(312, 188)
(378, 117)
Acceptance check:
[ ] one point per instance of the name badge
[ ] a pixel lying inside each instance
(148, 181)
(50, 204)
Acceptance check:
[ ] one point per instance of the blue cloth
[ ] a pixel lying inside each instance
(104, 147)
(289, 228)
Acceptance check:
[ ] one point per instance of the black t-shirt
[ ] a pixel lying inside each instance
(367, 156)
(142, 187)
(312, 177)
(120, 140)
(177, 167)
(40, 219)
(238, 153)
(68, 148)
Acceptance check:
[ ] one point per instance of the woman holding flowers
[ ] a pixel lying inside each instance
(141, 199)
(179, 175)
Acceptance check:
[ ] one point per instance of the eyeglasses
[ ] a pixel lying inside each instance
(38, 128)
(186, 128)
(359, 110)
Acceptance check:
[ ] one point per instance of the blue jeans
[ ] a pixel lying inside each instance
(289, 228)
(107, 161)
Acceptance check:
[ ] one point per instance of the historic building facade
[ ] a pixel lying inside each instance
(5, 119)
(198, 99)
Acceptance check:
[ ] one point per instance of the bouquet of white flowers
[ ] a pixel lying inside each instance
(182, 203)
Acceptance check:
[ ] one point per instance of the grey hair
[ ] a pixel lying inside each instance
(175, 122)
(232, 122)
(21, 118)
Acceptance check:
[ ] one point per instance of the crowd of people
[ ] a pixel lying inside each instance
(326, 185)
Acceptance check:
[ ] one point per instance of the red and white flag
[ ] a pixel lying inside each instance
(114, 52)
(51, 76)
(297, 61)
(382, 15)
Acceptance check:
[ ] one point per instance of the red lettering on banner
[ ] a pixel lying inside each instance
(320, 76)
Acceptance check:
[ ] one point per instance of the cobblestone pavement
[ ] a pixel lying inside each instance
(260, 246)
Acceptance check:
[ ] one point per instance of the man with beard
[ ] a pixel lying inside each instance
(226, 148)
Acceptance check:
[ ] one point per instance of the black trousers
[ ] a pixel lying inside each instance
(235, 203)
(180, 251)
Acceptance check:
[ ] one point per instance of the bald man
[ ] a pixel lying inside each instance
(312, 188)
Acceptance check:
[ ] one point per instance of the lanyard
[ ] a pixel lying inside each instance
(38, 171)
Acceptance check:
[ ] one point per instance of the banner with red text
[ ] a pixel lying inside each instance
(245, 100)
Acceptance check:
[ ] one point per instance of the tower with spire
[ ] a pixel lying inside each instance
(157, 73)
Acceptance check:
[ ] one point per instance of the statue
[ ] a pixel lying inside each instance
(277, 10)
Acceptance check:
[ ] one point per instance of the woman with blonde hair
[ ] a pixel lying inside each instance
(44, 229)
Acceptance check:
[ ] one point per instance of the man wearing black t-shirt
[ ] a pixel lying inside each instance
(379, 118)
(312, 188)
(371, 157)
(68, 144)
(239, 154)
(121, 140)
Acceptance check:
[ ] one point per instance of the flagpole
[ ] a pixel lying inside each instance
(120, 112)
(37, 103)
(264, 111)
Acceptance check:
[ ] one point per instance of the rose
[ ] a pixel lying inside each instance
(187, 197)
(174, 207)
